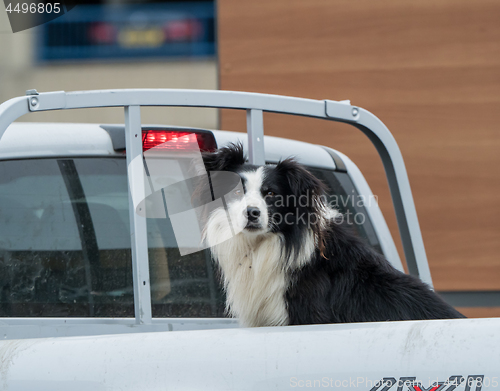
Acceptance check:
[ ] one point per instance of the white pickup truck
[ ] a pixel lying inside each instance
(94, 296)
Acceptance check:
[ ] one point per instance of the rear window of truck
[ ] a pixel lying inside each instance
(65, 243)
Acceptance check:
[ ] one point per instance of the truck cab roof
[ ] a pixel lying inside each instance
(30, 140)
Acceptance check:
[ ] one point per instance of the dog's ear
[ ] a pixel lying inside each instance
(225, 158)
(301, 181)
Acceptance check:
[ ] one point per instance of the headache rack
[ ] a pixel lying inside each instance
(254, 104)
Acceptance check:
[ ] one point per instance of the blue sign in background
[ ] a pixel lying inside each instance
(184, 29)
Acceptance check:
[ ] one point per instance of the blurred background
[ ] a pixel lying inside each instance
(430, 70)
(106, 44)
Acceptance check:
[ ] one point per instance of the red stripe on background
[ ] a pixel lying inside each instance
(417, 388)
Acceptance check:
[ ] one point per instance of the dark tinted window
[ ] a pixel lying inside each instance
(65, 243)
(65, 246)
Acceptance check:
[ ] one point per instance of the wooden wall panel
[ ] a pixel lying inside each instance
(429, 69)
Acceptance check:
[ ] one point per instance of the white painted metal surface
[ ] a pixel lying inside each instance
(278, 148)
(37, 139)
(343, 356)
(41, 139)
(138, 227)
(255, 130)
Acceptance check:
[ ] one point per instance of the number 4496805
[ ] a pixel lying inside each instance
(34, 8)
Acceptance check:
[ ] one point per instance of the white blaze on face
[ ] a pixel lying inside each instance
(231, 218)
(253, 181)
(251, 264)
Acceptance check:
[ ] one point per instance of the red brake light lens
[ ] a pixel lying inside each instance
(177, 140)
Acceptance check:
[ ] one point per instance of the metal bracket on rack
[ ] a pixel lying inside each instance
(47, 101)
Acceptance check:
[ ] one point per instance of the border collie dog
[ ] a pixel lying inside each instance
(285, 262)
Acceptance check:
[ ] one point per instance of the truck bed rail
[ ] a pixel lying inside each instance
(254, 104)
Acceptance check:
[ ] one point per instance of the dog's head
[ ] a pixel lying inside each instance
(283, 198)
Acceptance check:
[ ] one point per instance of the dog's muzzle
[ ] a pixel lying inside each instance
(253, 218)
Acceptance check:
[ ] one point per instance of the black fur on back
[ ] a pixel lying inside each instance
(346, 280)
(356, 284)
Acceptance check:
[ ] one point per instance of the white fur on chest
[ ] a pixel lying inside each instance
(254, 279)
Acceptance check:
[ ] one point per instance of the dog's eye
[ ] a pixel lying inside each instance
(270, 193)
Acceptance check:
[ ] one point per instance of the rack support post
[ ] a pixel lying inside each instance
(138, 227)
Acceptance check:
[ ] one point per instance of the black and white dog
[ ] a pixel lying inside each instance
(292, 263)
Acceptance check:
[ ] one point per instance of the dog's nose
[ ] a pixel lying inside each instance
(253, 213)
